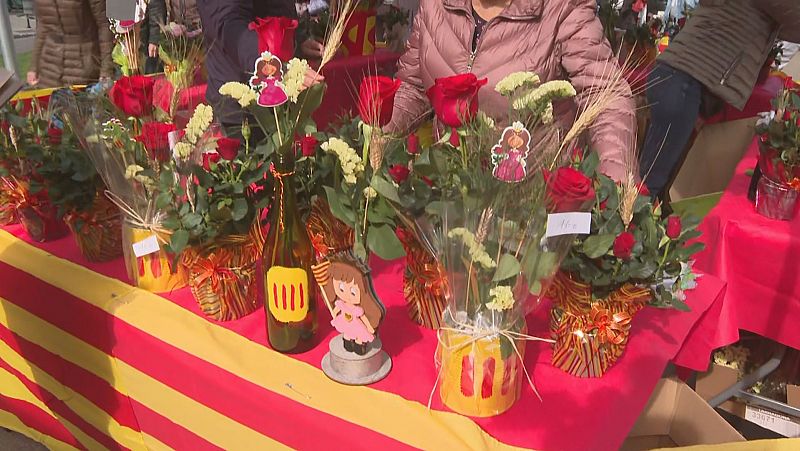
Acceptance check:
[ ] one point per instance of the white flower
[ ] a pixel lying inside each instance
(477, 252)
(502, 298)
(351, 163)
(198, 124)
(537, 99)
(509, 85)
(132, 170)
(547, 114)
(182, 150)
(370, 193)
(486, 120)
(293, 79)
(239, 91)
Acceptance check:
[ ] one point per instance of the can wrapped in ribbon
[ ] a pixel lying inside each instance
(156, 272)
(98, 231)
(424, 282)
(8, 202)
(36, 214)
(591, 334)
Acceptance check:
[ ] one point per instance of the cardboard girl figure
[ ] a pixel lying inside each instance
(509, 156)
(267, 80)
(357, 311)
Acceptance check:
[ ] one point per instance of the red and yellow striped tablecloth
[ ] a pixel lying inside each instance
(89, 362)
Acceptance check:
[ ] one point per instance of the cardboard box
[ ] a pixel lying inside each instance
(677, 416)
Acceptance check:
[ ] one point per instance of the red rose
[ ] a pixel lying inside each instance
(568, 189)
(228, 148)
(155, 137)
(54, 135)
(643, 191)
(789, 83)
(376, 99)
(133, 95)
(623, 245)
(208, 158)
(308, 146)
(674, 227)
(455, 99)
(275, 35)
(412, 145)
(399, 173)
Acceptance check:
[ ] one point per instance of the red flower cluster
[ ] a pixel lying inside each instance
(228, 148)
(568, 189)
(623, 245)
(376, 99)
(209, 158)
(412, 145)
(308, 146)
(275, 35)
(455, 99)
(155, 137)
(399, 173)
(133, 95)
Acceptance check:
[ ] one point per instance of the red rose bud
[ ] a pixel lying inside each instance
(568, 189)
(308, 146)
(789, 83)
(412, 144)
(643, 191)
(376, 99)
(228, 148)
(155, 137)
(208, 158)
(275, 35)
(455, 99)
(399, 173)
(674, 227)
(623, 245)
(54, 135)
(133, 95)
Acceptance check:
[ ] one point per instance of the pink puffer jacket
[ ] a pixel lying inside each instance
(556, 39)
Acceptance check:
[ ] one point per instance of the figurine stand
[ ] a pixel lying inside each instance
(350, 368)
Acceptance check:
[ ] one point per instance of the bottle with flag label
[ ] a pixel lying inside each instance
(290, 293)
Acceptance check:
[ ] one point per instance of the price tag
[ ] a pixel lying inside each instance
(568, 223)
(147, 246)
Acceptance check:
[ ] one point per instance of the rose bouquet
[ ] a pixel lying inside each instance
(181, 51)
(478, 198)
(631, 258)
(779, 159)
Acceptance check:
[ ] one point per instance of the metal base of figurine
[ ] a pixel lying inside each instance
(350, 368)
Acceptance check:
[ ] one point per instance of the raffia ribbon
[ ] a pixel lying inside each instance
(137, 221)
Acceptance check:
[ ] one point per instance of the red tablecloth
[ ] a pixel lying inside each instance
(170, 377)
(343, 76)
(758, 257)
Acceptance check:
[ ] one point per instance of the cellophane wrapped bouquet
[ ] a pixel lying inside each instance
(486, 219)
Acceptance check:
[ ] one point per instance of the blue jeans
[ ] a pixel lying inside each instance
(674, 97)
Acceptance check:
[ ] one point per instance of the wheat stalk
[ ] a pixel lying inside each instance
(342, 11)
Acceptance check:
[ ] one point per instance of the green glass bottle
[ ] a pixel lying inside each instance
(289, 287)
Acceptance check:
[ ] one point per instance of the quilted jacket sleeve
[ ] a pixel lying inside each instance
(41, 34)
(787, 14)
(105, 37)
(411, 105)
(587, 57)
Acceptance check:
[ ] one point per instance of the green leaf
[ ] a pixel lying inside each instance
(590, 163)
(239, 209)
(384, 243)
(680, 305)
(644, 271)
(179, 240)
(338, 209)
(191, 220)
(385, 188)
(598, 245)
(507, 267)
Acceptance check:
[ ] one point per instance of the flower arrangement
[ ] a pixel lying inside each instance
(181, 51)
(780, 138)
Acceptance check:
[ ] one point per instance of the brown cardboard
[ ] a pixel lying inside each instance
(714, 382)
(793, 395)
(677, 416)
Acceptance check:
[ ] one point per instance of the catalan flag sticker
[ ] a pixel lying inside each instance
(287, 293)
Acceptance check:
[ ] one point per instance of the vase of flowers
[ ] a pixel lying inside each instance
(630, 259)
(779, 158)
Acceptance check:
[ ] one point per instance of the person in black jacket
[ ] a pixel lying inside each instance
(232, 48)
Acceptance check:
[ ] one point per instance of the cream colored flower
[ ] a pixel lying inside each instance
(132, 170)
(239, 91)
(199, 123)
(537, 98)
(547, 114)
(477, 253)
(486, 120)
(352, 164)
(183, 150)
(370, 193)
(293, 79)
(502, 298)
(509, 85)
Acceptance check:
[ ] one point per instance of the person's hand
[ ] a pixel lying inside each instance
(33, 78)
(312, 78)
(312, 48)
(152, 50)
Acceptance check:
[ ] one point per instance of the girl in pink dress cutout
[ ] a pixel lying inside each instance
(267, 79)
(357, 312)
(509, 156)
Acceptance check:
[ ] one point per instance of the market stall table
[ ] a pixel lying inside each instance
(89, 361)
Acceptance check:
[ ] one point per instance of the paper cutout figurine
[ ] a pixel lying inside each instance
(357, 311)
(509, 156)
(267, 80)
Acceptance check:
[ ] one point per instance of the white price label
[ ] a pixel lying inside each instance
(776, 422)
(568, 223)
(147, 246)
